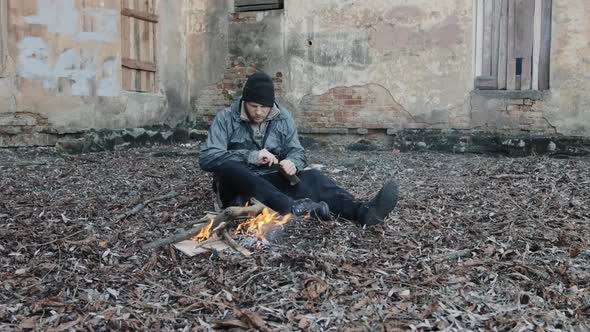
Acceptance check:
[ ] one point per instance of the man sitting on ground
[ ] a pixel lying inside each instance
(252, 142)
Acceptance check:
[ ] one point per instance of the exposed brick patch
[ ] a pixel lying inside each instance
(245, 17)
(25, 128)
(220, 95)
(370, 107)
(524, 115)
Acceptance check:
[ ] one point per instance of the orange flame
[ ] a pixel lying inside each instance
(205, 233)
(261, 224)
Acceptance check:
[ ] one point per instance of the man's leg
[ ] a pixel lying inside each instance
(320, 187)
(236, 179)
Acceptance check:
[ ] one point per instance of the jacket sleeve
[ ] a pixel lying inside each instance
(295, 151)
(214, 152)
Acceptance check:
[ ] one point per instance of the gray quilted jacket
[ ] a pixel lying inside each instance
(231, 138)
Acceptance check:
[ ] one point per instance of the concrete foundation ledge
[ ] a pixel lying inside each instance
(404, 140)
(118, 139)
(455, 141)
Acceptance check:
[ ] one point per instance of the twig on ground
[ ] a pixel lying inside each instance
(60, 239)
(142, 205)
(452, 255)
(23, 164)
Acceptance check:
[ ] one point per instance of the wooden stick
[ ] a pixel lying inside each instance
(177, 237)
(232, 243)
(142, 205)
(23, 164)
(452, 255)
(228, 215)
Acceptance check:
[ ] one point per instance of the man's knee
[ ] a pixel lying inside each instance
(232, 166)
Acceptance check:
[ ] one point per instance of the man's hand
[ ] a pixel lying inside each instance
(266, 158)
(288, 166)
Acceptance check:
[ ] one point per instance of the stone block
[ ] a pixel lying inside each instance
(10, 130)
(342, 131)
(17, 119)
(135, 132)
(392, 131)
(362, 131)
(73, 145)
(196, 134)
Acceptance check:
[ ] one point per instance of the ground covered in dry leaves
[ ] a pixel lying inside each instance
(476, 243)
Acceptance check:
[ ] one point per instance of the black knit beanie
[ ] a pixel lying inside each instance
(259, 89)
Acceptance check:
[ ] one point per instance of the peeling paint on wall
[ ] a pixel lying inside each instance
(71, 64)
(332, 49)
(78, 70)
(61, 16)
(109, 85)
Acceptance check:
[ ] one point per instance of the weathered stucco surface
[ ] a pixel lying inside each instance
(563, 108)
(342, 67)
(333, 54)
(415, 50)
(568, 106)
(64, 72)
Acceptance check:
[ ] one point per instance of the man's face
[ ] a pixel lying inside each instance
(257, 112)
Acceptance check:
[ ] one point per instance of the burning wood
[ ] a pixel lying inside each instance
(205, 232)
(262, 220)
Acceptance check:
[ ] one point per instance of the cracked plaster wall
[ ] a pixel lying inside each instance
(334, 54)
(63, 70)
(567, 104)
(416, 51)
(563, 108)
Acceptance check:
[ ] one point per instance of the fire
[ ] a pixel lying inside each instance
(205, 233)
(262, 223)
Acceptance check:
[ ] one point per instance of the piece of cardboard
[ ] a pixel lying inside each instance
(192, 248)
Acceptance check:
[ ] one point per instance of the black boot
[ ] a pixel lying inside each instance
(305, 206)
(376, 210)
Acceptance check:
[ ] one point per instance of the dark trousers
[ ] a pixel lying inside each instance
(237, 184)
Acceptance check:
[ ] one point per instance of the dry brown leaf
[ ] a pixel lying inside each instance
(50, 302)
(252, 319)
(314, 287)
(361, 304)
(228, 324)
(304, 323)
(87, 240)
(29, 322)
(65, 326)
(489, 250)
(430, 309)
(394, 326)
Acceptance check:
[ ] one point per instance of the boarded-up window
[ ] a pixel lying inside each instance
(256, 5)
(3, 36)
(513, 44)
(138, 45)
